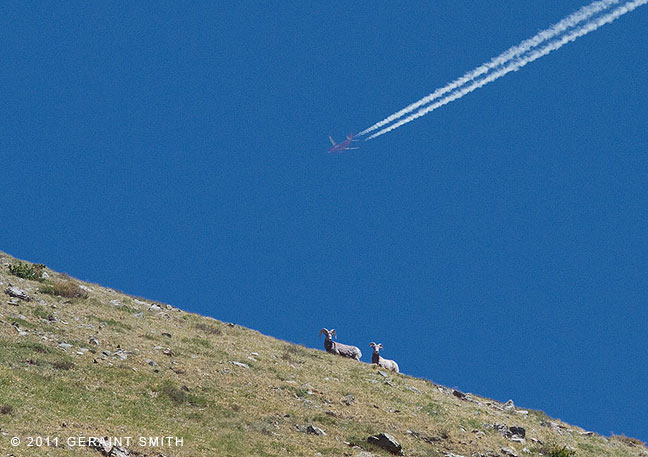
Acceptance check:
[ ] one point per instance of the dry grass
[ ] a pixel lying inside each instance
(67, 289)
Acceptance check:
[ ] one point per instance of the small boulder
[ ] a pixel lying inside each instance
(517, 431)
(459, 394)
(414, 389)
(315, 430)
(14, 291)
(387, 442)
(118, 451)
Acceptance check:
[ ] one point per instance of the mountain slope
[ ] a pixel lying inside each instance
(79, 360)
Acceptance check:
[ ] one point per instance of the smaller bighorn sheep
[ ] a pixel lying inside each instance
(385, 363)
(338, 348)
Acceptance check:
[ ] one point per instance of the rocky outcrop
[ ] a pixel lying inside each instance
(387, 442)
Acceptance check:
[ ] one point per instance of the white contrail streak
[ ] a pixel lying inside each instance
(583, 14)
(519, 63)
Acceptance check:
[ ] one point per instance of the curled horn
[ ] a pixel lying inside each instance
(323, 331)
(372, 344)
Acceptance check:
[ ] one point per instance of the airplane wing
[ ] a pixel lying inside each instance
(332, 142)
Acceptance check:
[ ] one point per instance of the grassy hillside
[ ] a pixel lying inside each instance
(78, 360)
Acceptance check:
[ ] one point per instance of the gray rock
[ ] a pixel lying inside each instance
(93, 340)
(65, 345)
(118, 451)
(387, 442)
(239, 364)
(154, 307)
(364, 454)
(348, 399)
(14, 291)
(427, 438)
(518, 431)
(508, 451)
(414, 389)
(459, 394)
(509, 406)
(101, 445)
(151, 362)
(315, 430)
(514, 433)
(13, 301)
(383, 373)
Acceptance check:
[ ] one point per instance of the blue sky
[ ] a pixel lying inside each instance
(178, 151)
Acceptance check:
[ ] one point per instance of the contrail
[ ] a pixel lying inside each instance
(516, 64)
(583, 14)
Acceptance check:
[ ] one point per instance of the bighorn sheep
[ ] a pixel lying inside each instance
(338, 348)
(385, 363)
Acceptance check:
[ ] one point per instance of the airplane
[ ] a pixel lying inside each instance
(344, 146)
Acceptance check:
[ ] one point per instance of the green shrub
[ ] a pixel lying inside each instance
(209, 329)
(43, 314)
(63, 365)
(180, 396)
(556, 451)
(27, 270)
(6, 409)
(67, 289)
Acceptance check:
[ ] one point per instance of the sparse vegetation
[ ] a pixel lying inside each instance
(114, 376)
(179, 395)
(558, 451)
(208, 329)
(63, 365)
(628, 440)
(30, 271)
(43, 314)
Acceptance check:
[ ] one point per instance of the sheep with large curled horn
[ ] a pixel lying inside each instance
(334, 347)
(378, 360)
